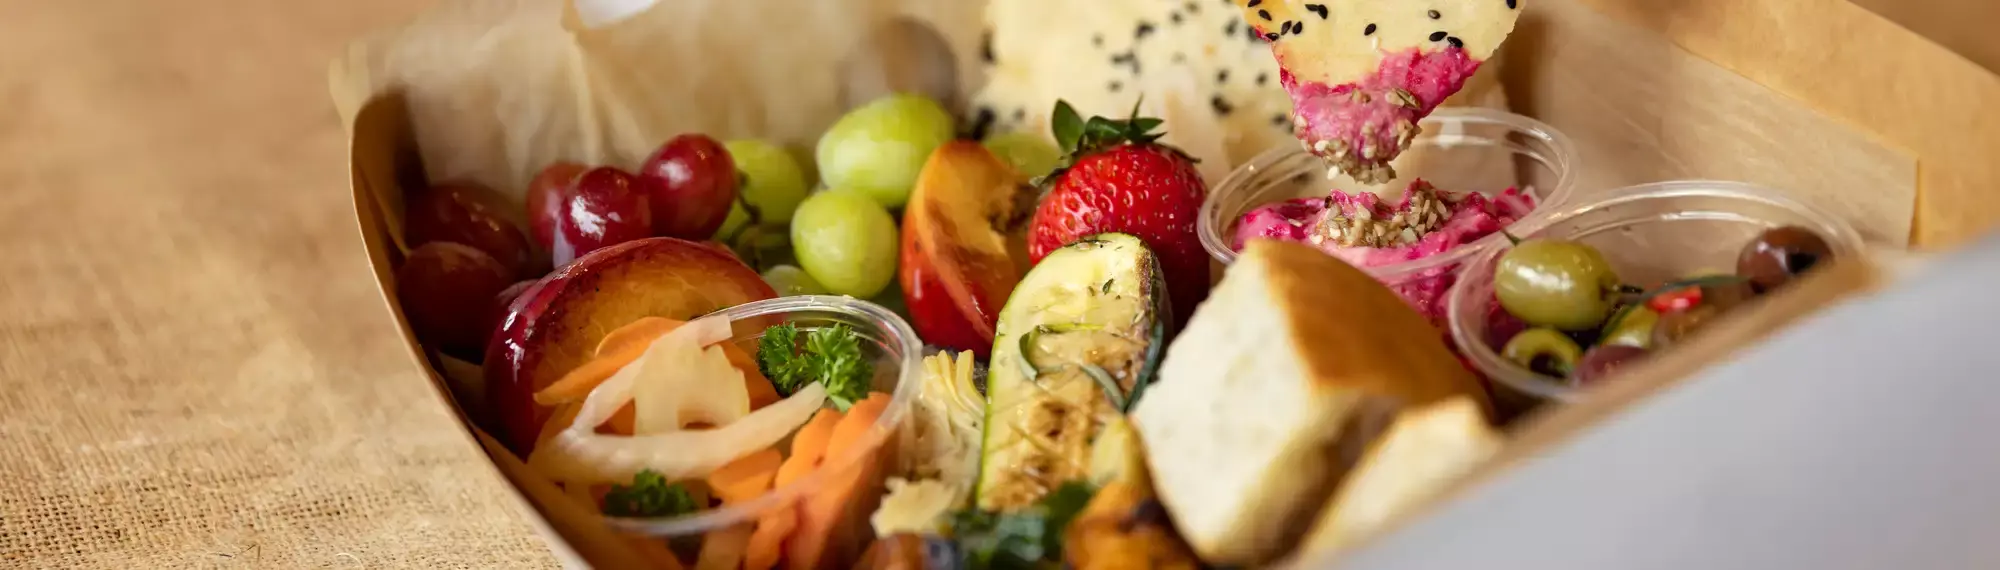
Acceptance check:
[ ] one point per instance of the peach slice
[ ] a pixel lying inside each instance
(963, 245)
(557, 323)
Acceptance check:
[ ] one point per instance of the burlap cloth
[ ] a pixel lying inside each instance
(198, 369)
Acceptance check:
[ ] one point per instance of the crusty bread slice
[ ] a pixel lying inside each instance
(1423, 451)
(1295, 356)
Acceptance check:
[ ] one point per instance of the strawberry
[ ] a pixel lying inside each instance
(1115, 178)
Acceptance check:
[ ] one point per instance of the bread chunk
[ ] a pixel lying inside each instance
(1271, 391)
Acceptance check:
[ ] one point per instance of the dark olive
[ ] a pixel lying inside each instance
(1543, 350)
(1674, 327)
(1780, 254)
(1726, 295)
(1603, 360)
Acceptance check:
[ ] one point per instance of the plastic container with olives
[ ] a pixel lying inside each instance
(1625, 273)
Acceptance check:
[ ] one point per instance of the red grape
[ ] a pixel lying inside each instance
(692, 182)
(468, 214)
(447, 292)
(606, 206)
(545, 198)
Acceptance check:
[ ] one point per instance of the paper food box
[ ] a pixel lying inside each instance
(1663, 136)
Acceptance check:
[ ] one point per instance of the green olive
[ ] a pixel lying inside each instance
(1635, 328)
(1544, 350)
(1555, 283)
(1672, 328)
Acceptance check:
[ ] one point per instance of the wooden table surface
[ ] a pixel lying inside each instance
(198, 369)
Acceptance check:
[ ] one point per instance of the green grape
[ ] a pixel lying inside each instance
(775, 183)
(737, 219)
(790, 280)
(1026, 152)
(879, 148)
(846, 241)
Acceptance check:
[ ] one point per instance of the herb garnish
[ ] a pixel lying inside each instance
(650, 495)
(831, 357)
(1029, 538)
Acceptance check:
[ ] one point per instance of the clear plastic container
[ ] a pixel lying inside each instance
(1460, 149)
(1651, 234)
(897, 354)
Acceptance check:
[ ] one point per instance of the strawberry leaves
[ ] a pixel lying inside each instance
(1079, 137)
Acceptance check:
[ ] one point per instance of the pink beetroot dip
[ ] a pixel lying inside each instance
(1466, 217)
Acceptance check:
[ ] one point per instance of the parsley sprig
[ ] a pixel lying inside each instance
(831, 356)
(1024, 539)
(649, 495)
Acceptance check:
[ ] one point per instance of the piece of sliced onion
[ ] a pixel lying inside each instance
(683, 384)
(580, 455)
(615, 392)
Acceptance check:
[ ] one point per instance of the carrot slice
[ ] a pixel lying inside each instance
(853, 430)
(820, 514)
(654, 552)
(762, 393)
(621, 422)
(723, 549)
(637, 333)
(576, 385)
(768, 541)
(747, 478)
(808, 446)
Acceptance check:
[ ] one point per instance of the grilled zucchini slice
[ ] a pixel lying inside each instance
(1076, 344)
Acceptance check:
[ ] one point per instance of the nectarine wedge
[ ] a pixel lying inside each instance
(557, 324)
(962, 247)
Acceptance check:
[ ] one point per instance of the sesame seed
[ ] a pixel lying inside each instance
(1438, 36)
(1143, 29)
(1455, 42)
(1435, 15)
(1254, 3)
(1221, 107)
(1271, 36)
(1222, 76)
(1298, 27)
(1265, 14)
(1368, 31)
(1317, 9)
